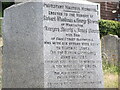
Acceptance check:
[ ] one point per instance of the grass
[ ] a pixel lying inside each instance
(110, 80)
(108, 68)
(111, 73)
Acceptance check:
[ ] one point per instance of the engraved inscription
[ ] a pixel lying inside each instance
(71, 45)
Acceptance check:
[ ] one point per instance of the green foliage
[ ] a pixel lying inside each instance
(109, 27)
(108, 68)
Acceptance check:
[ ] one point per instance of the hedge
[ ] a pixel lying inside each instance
(109, 27)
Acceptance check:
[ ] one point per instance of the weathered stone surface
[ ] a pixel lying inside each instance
(1, 54)
(110, 49)
(52, 45)
(119, 51)
(23, 46)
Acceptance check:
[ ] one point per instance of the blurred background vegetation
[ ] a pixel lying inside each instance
(109, 27)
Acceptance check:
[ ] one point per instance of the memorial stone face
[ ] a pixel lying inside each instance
(110, 49)
(52, 45)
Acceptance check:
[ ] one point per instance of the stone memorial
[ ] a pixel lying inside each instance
(110, 49)
(52, 44)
